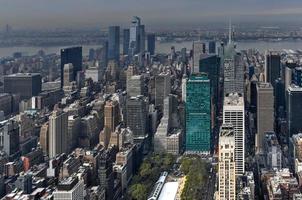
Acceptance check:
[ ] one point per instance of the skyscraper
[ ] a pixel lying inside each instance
(142, 39)
(114, 43)
(198, 114)
(272, 67)
(135, 86)
(111, 113)
(26, 85)
(233, 112)
(135, 36)
(9, 137)
(233, 74)
(265, 113)
(58, 123)
(137, 116)
(68, 74)
(71, 55)
(151, 43)
(162, 88)
(126, 41)
(293, 108)
(226, 171)
(212, 47)
(210, 64)
(197, 51)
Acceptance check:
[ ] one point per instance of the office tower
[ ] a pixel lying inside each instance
(162, 88)
(198, 114)
(142, 39)
(265, 113)
(183, 54)
(212, 47)
(273, 151)
(137, 116)
(71, 55)
(114, 43)
(272, 67)
(226, 171)
(73, 131)
(293, 107)
(135, 86)
(105, 172)
(126, 41)
(151, 43)
(68, 74)
(288, 77)
(233, 75)
(9, 137)
(58, 123)
(197, 51)
(70, 188)
(6, 103)
(104, 55)
(26, 85)
(112, 115)
(297, 76)
(210, 64)
(135, 30)
(233, 112)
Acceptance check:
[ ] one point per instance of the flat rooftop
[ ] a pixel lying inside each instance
(169, 191)
(23, 75)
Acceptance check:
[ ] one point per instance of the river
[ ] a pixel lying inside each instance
(162, 47)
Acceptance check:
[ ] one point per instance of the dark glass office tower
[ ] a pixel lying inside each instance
(212, 47)
(210, 64)
(293, 109)
(71, 55)
(272, 67)
(126, 41)
(26, 85)
(114, 43)
(151, 43)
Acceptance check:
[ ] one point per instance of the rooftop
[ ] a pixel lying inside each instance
(23, 75)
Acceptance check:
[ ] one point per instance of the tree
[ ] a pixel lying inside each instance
(145, 170)
(138, 192)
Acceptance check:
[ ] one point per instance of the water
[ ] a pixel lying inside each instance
(162, 47)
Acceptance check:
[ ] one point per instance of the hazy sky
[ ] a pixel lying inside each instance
(93, 13)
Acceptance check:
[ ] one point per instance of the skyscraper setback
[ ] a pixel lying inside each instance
(233, 113)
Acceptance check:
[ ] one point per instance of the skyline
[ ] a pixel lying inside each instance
(46, 14)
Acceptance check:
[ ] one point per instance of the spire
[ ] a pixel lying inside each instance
(230, 32)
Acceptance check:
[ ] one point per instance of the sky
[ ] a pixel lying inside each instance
(49, 14)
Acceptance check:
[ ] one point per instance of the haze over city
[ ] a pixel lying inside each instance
(45, 14)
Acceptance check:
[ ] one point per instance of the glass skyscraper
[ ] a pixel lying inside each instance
(114, 43)
(198, 114)
(126, 41)
(71, 55)
(151, 43)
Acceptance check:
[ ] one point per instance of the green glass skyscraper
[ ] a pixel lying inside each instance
(198, 114)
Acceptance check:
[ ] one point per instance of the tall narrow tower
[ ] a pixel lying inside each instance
(227, 175)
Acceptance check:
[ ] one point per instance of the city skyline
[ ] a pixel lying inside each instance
(69, 14)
